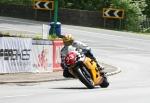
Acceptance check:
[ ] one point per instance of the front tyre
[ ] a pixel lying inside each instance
(85, 77)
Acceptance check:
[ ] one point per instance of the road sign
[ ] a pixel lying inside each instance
(113, 13)
(43, 4)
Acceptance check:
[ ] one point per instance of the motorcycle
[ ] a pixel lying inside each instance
(85, 69)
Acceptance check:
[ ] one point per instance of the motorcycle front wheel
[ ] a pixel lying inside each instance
(85, 77)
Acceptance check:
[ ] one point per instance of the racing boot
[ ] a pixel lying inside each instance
(99, 67)
(103, 74)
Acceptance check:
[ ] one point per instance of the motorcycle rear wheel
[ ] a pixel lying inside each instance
(85, 78)
(105, 83)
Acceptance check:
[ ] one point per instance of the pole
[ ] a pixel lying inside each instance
(55, 15)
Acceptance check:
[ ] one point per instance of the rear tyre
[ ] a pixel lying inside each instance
(85, 77)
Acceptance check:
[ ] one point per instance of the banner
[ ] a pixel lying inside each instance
(42, 56)
(15, 54)
(57, 46)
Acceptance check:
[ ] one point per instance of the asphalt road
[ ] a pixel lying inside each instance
(129, 52)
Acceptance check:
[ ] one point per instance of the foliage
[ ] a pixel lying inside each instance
(133, 12)
(147, 9)
(52, 37)
(146, 30)
(134, 9)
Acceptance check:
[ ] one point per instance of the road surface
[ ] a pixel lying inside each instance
(129, 52)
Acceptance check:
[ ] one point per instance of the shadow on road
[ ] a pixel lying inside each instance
(74, 88)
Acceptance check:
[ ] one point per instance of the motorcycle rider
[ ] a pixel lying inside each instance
(68, 40)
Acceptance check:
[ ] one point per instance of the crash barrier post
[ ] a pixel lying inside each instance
(57, 46)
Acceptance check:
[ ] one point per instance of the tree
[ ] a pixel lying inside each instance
(147, 9)
(133, 12)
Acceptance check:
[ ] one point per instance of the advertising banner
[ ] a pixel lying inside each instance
(57, 46)
(42, 56)
(15, 54)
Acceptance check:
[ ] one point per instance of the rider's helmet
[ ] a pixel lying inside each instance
(68, 39)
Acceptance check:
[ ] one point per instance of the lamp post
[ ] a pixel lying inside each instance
(55, 28)
(55, 10)
(55, 15)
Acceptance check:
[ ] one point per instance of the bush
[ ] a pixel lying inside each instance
(133, 13)
(147, 9)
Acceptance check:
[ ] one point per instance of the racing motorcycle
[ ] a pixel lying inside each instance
(85, 69)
